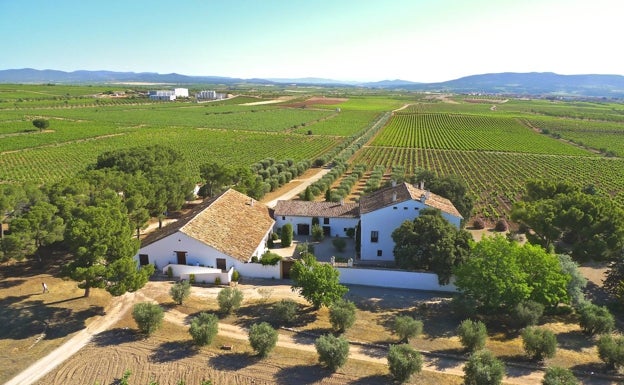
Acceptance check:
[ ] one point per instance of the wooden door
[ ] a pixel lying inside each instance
(181, 257)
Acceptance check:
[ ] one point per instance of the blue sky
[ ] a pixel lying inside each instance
(368, 40)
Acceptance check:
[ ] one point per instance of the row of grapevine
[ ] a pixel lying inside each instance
(496, 180)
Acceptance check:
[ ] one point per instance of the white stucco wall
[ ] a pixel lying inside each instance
(393, 278)
(256, 270)
(385, 221)
(162, 252)
(337, 225)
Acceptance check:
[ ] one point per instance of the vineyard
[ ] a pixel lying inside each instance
(468, 132)
(496, 180)
(493, 144)
(495, 148)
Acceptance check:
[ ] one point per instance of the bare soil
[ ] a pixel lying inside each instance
(317, 100)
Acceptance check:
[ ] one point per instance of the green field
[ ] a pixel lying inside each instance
(494, 144)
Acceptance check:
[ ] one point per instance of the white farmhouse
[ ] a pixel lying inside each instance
(378, 214)
(335, 218)
(382, 211)
(220, 235)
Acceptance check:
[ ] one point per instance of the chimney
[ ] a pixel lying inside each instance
(394, 196)
(251, 202)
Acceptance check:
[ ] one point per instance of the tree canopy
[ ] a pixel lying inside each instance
(500, 274)
(589, 226)
(450, 187)
(430, 242)
(317, 282)
(100, 238)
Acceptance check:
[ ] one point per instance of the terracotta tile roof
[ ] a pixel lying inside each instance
(404, 192)
(228, 223)
(316, 209)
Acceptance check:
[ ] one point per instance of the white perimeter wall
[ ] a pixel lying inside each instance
(393, 278)
(257, 270)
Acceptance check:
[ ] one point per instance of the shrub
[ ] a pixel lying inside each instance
(478, 224)
(407, 327)
(270, 243)
(235, 276)
(472, 334)
(170, 272)
(217, 280)
(148, 317)
(262, 338)
(180, 291)
(285, 311)
(204, 328)
(317, 233)
(539, 343)
(501, 225)
(229, 300)
(403, 361)
(287, 235)
(611, 350)
(333, 351)
(339, 243)
(464, 306)
(342, 315)
(351, 232)
(191, 278)
(559, 376)
(595, 319)
(483, 368)
(527, 313)
(269, 258)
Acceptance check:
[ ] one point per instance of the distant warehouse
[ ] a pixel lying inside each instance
(210, 95)
(168, 94)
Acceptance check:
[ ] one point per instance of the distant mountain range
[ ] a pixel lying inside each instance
(509, 83)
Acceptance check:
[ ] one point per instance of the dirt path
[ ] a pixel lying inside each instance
(367, 353)
(295, 186)
(114, 312)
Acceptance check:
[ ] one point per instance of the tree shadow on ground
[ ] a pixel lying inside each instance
(9, 283)
(447, 358)
(374, 379)
(302, 375)
(574, 340)
(261, 312)
(309, 336)
(35, 317)
(173, 351)
(232, 361)
(373, 351)
(115, 336)
(589, 369)
(514, 371)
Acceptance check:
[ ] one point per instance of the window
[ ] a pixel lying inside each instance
(325, 221)
(394, 208)
(405, 208)
(283, 218)
(379, 253)
(374, 236)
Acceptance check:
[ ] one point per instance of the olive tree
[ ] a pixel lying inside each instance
(148, 316)
(403, 362)
(204, 328)
(262, 338)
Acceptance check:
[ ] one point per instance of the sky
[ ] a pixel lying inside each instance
(357, 40)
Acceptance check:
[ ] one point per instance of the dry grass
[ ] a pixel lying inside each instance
(33, 323)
